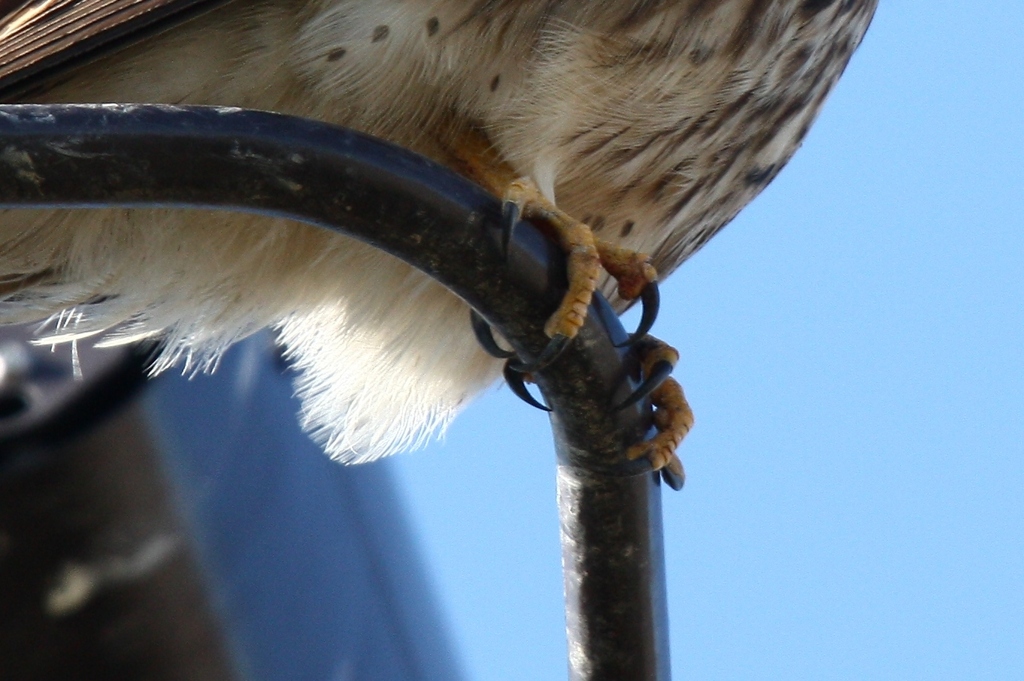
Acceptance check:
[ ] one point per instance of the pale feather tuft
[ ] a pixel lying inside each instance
(385, 356)
(367, 395)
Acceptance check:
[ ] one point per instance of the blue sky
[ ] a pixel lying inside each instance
(852, 346)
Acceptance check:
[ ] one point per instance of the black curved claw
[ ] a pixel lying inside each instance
(514, 378)
(555, 347)
(673, 480)
(650, 299)
(485, 337)
(659, 372)
(510, 214)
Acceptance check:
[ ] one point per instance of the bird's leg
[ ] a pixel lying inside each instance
(475, 157)
(632, 271)
(587, 255)
(636, 278)
(576, 239)
(673, 417)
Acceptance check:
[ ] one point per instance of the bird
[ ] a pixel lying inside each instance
(644, 125)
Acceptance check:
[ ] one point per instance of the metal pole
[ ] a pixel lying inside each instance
(613, 562)
(134, 155)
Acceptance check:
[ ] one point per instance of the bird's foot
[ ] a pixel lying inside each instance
(517, 379)
(576, 239)
(673, 417)
(635, 276)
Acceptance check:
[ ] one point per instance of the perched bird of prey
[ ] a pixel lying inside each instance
(652, 121)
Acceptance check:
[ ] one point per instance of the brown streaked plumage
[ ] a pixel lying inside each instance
(655, 120)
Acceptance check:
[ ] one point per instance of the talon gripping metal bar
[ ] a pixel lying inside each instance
(148, 155)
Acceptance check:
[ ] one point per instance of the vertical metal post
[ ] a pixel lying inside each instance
(614, 570)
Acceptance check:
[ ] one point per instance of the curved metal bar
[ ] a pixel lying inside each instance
(64, 156)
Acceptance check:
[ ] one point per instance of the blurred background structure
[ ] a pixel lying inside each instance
(190, 530)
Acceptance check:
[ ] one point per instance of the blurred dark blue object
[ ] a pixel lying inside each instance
(312, 565)
(188, 530)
